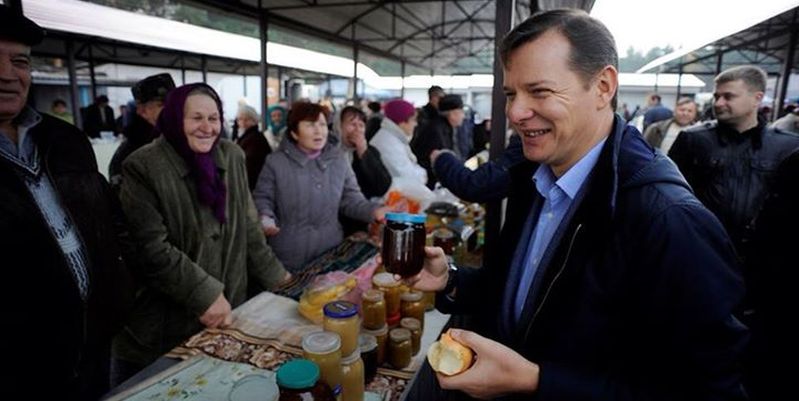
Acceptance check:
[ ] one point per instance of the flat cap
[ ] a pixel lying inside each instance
(154, 87)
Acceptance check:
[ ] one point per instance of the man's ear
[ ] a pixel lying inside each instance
(606, 83)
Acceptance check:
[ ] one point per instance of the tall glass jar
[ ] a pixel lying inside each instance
(298, 380)
(403, 245)
(373, 309)
(324, 349)
(415, 328)
(352, 377)
(342, 317)
(391, 292)
(400, 348)
(381, 335)
(368, 344)
(412, 305)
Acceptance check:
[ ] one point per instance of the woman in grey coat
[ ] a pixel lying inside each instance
(302, 189)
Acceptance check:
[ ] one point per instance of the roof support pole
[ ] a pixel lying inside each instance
(719, 60)
(91, 73)
(502, 25)
(263, 34)
(679, 83)
(73, 83)
(244, 83)
(787, 66)
(355, 73)
(402, 76)
(204, 67)
(183, 69)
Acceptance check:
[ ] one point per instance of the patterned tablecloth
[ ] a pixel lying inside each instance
(266, 332)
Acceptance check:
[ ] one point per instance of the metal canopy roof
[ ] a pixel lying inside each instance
(440, 37)
(766, 44)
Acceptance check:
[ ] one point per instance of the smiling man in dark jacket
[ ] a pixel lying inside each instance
(65, 286)
(614, 282)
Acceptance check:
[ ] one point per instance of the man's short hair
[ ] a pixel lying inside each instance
(59, 102)
(754, 77)
(592, 47)
(435, 90)
(655, 97)
(374, 107)
(349, 111)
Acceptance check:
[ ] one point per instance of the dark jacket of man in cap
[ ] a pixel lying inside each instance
(434, 134)
(149, 94)
(66, 286)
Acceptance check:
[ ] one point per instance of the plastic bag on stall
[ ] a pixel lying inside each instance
(323, 289)
(406, 195)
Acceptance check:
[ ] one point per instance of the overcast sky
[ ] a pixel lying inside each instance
(644, 24)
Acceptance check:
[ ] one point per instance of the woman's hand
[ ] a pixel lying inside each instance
(379, 215)
(218, 315)
(271, 231)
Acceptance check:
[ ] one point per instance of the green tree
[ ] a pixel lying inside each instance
(635, 59)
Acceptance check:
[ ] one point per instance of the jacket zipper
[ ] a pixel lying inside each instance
(554, 280)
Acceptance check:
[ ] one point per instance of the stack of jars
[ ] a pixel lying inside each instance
(337, 351)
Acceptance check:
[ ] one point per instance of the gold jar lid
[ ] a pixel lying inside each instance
(372, 295)
(411, 296)
(399, 335)
(410, 323)
(385, 280)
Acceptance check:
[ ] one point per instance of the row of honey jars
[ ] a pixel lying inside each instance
(345, 375)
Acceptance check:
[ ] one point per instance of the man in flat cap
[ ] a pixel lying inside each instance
(439, 133)
(65, 285)
(149, 94)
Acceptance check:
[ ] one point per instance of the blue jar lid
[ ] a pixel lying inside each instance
(394, 216)
(417, 218)
(340, 309)
(298, 374)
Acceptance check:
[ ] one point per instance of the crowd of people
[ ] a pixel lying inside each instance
(631, 265)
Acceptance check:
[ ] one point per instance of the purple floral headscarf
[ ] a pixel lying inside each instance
(211, 189)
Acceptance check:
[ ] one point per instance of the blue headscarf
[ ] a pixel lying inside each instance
(211, 189)
(276, 128)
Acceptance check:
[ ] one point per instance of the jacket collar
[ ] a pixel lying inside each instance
(726, 134)
(394, 130)
(298, 156)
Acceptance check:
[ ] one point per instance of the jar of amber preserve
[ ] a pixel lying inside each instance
(399, 348)
(415, 328)
(403, 244)
(298, 380)
(391, 292)
(342, 317)
(324, 349)
(381, 335)
(352, 377)
(373, 309)
(412, 304)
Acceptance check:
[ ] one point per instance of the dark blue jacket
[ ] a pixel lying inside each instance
(634, 298)
(487, 183)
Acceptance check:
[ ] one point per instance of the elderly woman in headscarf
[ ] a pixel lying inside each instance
(303, 187)
(199, 241)
(275, 125)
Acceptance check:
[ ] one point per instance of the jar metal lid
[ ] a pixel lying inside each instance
(367, 342)
(399, 335)
(378, 332)
(373, 295)
(385, 280)
(298, 374)
(416, 218)
(340, 309)
(321, 342)
(351, 358)
(411, 296)
(410, 323)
